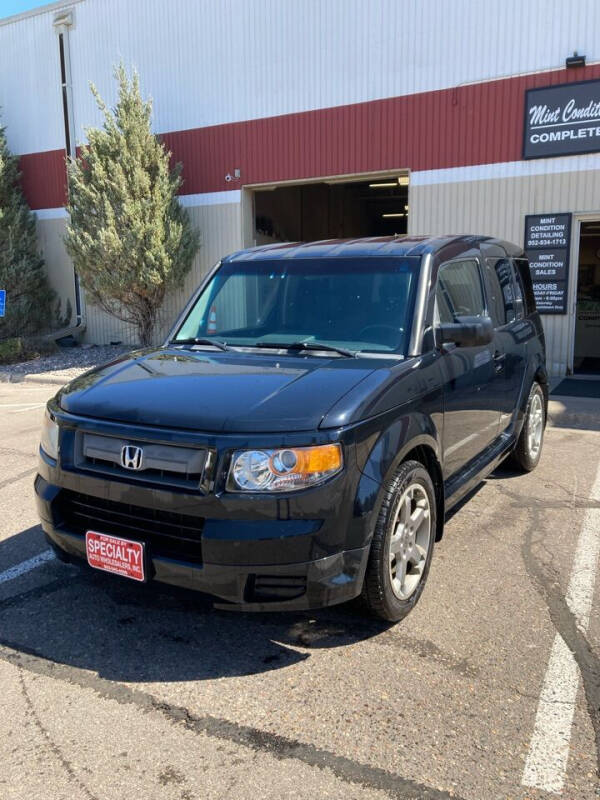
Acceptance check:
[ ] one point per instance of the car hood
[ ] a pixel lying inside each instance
(206, 391)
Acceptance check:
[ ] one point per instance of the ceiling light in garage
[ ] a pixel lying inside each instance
(389, 216)
(382, 185)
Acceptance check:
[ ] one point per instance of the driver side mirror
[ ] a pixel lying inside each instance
(467, 332)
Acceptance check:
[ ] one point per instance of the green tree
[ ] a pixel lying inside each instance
(130, 239)
(29, 298)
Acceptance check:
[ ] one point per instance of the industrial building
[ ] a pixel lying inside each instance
(312, 119)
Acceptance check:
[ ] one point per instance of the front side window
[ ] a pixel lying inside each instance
(361, 304)
(459, 292)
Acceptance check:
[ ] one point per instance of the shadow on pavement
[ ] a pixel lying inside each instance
(132, 632)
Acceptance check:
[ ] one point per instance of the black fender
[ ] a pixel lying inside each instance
(536, 371)
(380, 453)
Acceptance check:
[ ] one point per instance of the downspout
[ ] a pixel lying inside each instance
(63, 22)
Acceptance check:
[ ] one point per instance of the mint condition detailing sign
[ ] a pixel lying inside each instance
(562, 120)
(547, 243)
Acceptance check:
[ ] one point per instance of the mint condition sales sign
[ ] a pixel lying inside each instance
(547, 242)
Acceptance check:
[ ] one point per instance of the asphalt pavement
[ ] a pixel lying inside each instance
(489, 689)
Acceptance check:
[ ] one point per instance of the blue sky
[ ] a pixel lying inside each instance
(10, 7)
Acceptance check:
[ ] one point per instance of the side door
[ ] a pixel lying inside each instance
(471, 413)
(505, 307)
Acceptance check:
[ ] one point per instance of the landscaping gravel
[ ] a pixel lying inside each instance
(65, 365)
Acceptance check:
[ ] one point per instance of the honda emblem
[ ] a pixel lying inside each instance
(131, 456)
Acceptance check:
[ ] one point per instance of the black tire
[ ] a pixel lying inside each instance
(378, 589)
(525, 458)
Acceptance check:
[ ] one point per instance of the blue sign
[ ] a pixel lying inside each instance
(2, 302)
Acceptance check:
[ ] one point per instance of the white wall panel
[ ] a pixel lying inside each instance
(207, 62)
(30, 89)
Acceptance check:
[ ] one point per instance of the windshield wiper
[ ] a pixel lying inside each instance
(201, 340)
(309, 345)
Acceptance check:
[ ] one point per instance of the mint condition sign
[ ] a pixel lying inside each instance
(547, 242)
(562, 120)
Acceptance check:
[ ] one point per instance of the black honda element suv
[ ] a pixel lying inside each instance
(315, 412)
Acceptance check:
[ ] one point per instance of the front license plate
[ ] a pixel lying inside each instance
(113, 554)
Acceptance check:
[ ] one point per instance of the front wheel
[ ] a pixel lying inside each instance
(402, 544)
(528, 449)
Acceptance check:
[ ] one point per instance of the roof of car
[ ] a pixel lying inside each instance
(378, 246)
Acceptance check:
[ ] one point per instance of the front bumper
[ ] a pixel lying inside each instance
(312, 584)
(261, 566)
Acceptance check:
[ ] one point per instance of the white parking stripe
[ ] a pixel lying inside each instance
(549, 748)
(26, 566)
(33, 407)
(21, 405)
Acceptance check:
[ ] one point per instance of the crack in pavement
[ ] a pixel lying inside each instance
(278, 746)
(52, 746)
(328, 630)
(15, 478)
(41, 591)
(546, 582)
(13, 451)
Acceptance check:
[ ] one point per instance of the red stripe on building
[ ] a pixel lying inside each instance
(43, 178)
(480, 123)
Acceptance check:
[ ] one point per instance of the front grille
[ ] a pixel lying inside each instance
(175, 466)
(167, 533)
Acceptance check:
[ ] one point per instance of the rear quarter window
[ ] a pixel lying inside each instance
(500, 291)
(524, 285)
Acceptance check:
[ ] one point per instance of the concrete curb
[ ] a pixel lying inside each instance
(10, 377)
(582, 413)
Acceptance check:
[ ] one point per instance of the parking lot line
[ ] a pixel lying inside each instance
(26, 566)
(24, 406)
(33, 407)
(546, 762)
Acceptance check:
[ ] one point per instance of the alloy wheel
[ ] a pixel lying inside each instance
(410, 540)
(535, 425)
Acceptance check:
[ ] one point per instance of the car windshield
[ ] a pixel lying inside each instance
(358, 304)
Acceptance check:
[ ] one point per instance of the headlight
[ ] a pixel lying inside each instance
(49, 437)
(283, 470)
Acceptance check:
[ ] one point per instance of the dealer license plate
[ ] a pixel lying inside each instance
(113, 554)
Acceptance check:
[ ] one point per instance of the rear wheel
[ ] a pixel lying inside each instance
(528, 449)
(402, 544)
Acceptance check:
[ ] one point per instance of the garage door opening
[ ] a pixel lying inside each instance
(587, 322)
(331, 210)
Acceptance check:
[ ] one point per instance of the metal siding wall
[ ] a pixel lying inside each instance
(58, 266)
(30, 91)
(237, 60)
(208, 63)
(220, 227)
(498, 207)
